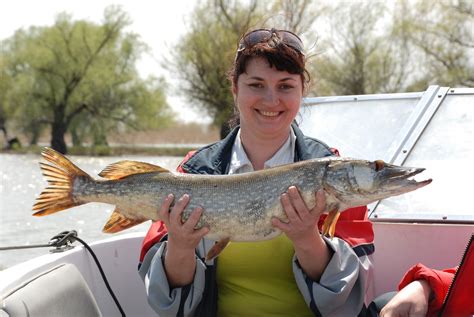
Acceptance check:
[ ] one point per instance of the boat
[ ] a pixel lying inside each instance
(431, 129)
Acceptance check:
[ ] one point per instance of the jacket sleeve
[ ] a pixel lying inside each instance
(164, 300)
(438, 280)
(341, 288)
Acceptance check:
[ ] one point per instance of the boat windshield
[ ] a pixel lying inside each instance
(431, 129)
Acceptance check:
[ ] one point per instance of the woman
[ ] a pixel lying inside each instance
(299, 273)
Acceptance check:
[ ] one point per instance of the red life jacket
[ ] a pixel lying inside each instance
(453, 288)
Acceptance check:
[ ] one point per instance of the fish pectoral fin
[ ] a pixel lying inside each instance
(217, 249)
(118, 222)
(329, 226)
(123, 169)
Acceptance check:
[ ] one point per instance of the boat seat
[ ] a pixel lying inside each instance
(60, 291)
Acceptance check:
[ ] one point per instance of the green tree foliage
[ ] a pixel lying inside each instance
(205, 53)
(354, 47)
(5, 85)
(356, 54)
(379, 47)
(299, 16)
(441, 36)
(80, 77)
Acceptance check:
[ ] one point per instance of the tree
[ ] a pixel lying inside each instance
(357, 55)
(76, 75)
(377, 48)
(362, 47)
(441, 34)
(205, 54)
(5, 85)
(298, 16)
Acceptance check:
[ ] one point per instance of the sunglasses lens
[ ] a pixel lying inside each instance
(258, 37)
(253, 38)
(292, 40)
(263, 35)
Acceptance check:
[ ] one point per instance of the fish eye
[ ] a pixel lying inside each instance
(379, 165)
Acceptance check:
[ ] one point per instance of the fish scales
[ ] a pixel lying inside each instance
(235, 207)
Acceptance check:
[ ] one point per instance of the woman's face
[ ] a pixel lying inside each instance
(268, 99)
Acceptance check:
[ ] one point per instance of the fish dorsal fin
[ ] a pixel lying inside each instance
(337, 163)
(126, 168)
(118, 222)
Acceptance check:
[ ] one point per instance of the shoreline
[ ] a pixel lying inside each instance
(114, 150)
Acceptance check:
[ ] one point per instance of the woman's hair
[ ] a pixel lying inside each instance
(279, 53)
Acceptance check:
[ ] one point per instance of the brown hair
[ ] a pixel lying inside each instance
(279, 55)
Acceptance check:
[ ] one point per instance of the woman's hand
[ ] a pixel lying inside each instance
(302, 222)
(180, 261)
(302, 229)
(181, 235)
(412, 301)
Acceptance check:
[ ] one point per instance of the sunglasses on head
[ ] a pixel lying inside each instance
(265, 35)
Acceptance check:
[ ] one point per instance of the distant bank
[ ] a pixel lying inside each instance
(171, 141)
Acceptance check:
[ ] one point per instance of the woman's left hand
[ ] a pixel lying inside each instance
(302, 222)
(302, 229)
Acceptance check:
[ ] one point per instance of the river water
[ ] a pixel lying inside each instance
(21, 182)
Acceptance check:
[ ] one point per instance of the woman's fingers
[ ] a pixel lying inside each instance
(277, 223)
(320, 207)
(174, 218)
(302, 221)
(289, 209)
(178, 208)
(193, 219)
(164, 210)
(192, 222)
(298, 202)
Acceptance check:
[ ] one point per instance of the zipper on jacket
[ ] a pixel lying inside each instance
(448, 294)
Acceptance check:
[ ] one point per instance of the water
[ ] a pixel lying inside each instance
(21, 182)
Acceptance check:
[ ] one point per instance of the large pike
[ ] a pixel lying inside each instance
(236, 207)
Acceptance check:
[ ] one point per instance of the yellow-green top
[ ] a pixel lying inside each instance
(256, 279)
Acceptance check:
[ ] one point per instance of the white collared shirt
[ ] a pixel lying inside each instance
(240, 163)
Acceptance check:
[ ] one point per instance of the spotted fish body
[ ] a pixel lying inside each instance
(236, 207)
(239, 206)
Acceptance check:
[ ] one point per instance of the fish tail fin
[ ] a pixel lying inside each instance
(60, 176)
(329, 226)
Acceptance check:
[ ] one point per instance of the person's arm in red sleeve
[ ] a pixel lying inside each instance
(421, 291)
(438, 280)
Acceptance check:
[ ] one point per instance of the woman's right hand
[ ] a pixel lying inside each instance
(183, 238)
(181, 235)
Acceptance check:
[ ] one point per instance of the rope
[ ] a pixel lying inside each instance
(102, 274)
(62, 242)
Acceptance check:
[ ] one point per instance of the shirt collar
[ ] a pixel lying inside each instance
(240, 163)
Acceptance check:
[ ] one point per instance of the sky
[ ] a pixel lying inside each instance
(159, 23)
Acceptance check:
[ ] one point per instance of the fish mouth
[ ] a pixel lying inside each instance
(402, 177)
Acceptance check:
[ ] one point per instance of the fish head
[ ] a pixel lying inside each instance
(359, 182)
